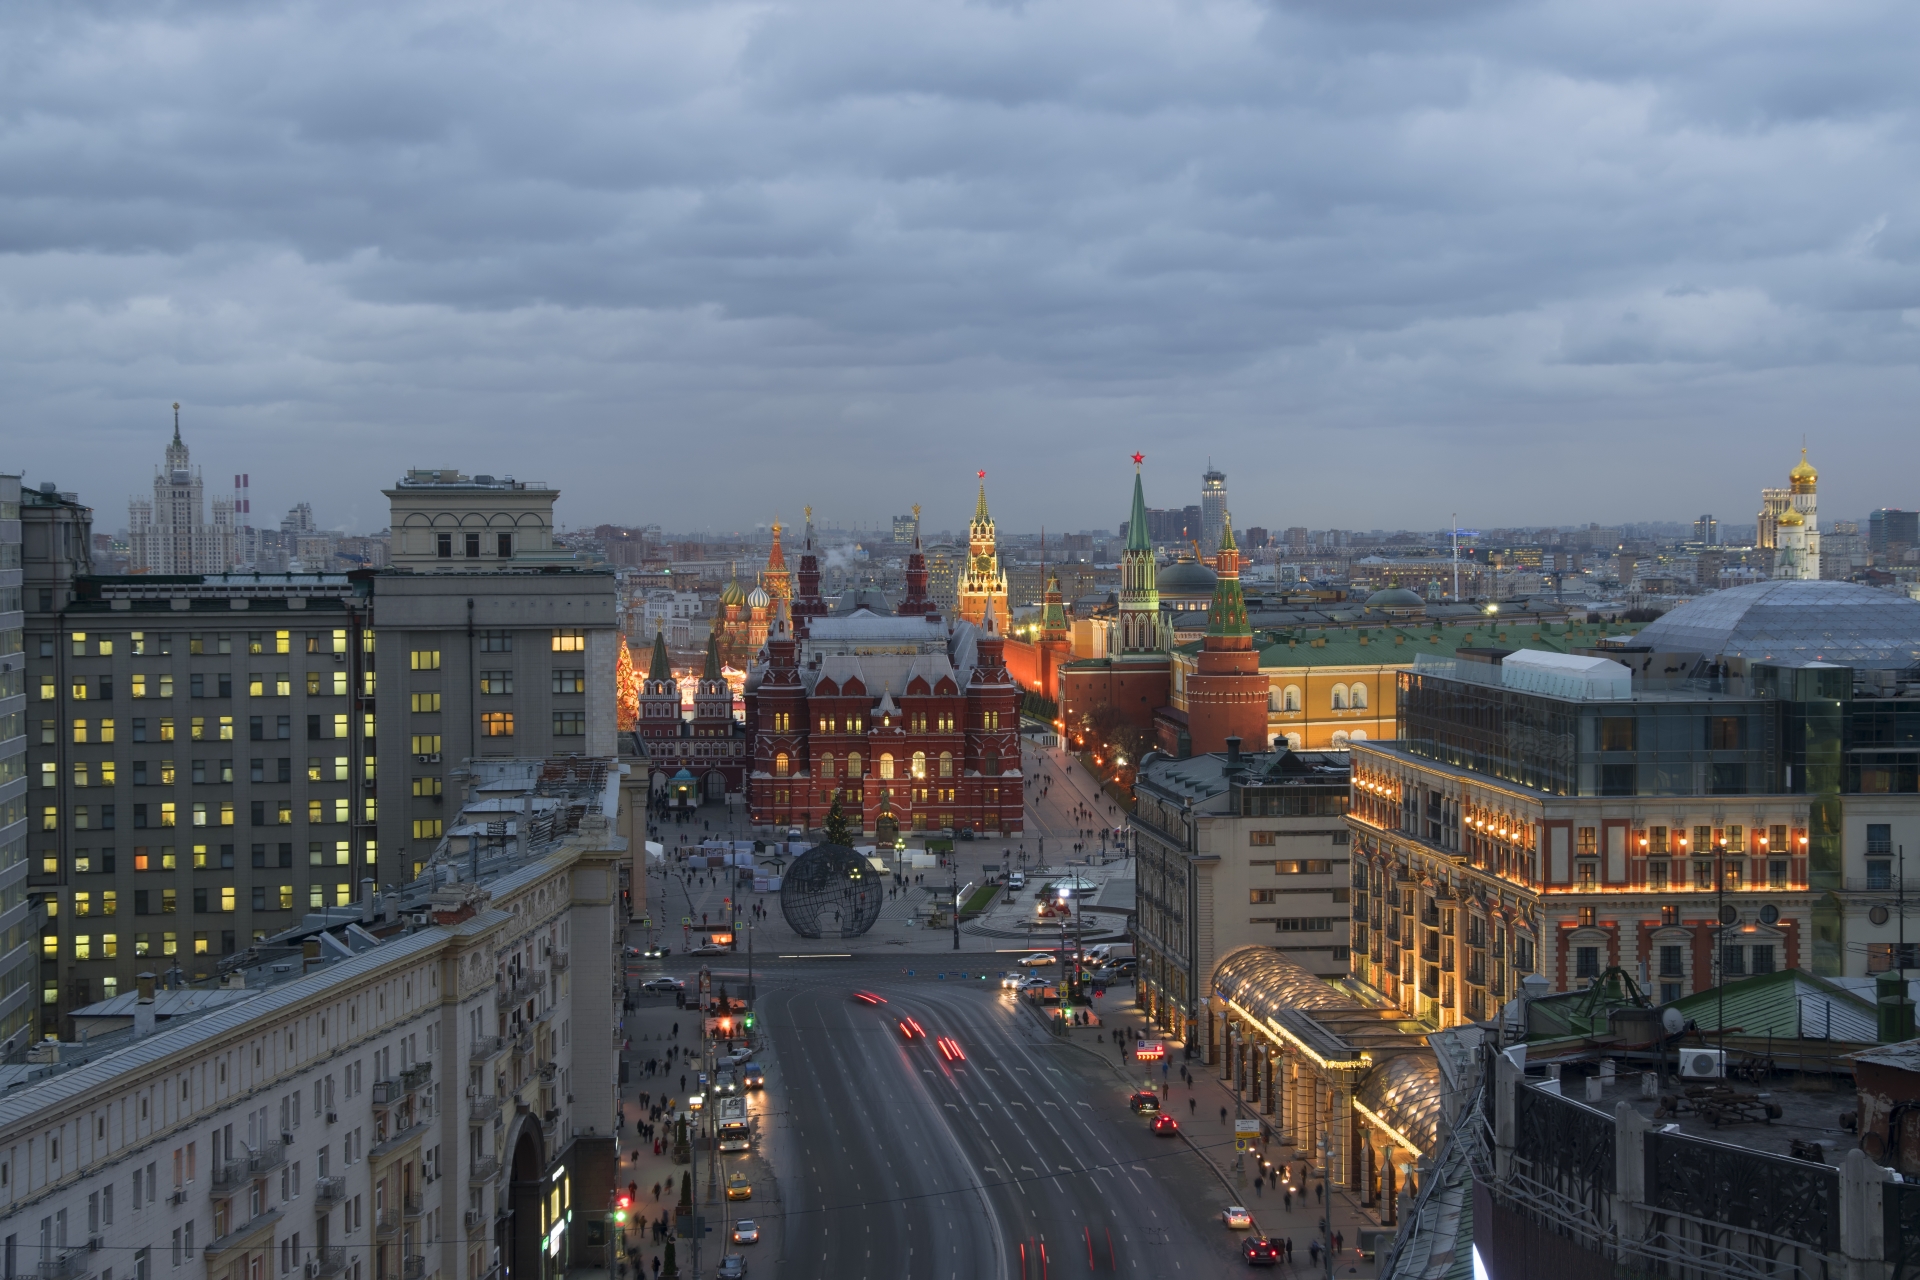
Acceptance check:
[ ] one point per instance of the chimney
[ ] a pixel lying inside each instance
(1233, 749)
(143, 1007)
(367, 900)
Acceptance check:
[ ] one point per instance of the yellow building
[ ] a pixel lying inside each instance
(1328, 688)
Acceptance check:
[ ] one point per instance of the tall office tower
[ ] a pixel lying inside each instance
(1213, 507)
(1707, 530)
(1890, 529)
(170, 532)
(19, 993)
(906, 528)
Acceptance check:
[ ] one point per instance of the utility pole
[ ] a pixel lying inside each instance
(1456, 559)
(953, 866)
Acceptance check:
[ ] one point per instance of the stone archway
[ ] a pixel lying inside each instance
(526, 1192)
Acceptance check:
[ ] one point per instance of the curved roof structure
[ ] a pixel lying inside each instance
(1396, 598)
(1794, 620)
(1404, 1091)
(1186, 577)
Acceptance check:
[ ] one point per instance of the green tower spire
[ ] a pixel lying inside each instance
(1227, 615)
(661, 669)
(1139, 536)
(980, 515)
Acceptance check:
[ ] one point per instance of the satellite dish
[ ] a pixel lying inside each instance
(1672, 1020)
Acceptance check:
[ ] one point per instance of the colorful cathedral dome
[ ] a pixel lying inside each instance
(758, 598)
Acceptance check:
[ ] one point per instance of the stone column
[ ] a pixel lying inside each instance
(1267, 1096)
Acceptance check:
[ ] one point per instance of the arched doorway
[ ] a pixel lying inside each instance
(716, 785)
(526, 1194)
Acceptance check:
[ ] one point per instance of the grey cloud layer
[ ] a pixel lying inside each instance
(852, 249)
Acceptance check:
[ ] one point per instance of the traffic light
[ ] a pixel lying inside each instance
(747, 1022)
(620, 1208)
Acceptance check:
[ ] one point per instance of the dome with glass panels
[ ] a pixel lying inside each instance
(1794, 620)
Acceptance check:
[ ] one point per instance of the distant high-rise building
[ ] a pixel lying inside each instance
(1707, 530)
(1890, 527)
(170, 533)
(906, 528)
(1256, 538)
(298, 520)
(1213, 508)
(1297, 539)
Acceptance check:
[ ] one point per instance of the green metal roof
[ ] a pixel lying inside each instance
(1791, 1003)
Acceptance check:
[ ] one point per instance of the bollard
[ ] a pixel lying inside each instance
(1649, 1084)
(1594, 1087)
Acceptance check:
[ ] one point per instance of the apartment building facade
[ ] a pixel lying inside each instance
(19, 914)
(212, 755)
(430, 1107)
(1236, 849)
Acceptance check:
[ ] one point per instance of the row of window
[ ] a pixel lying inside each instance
(320, 727)
(1664, 875)
(1343, 697)
(203, 813)
(319, 769)
(320, 853)
(499, 724)
(885, 765)
(159, 644)
(1735, 961)
(106, 946)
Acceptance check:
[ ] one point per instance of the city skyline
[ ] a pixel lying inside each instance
(1456, 247)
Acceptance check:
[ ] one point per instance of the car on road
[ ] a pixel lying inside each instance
(653, 952)
(738, 1188)
(709, 949)
(752, 1077)
(1038, 957)
(1013, 982)
(1237, 1218)
(735, 1058)
(1032, 983)
(1166, 1126)
(1145, 1101)
(1260, 1252)
(950, 1049)
(1126, 969)
(732, 1267)
(1017, 880)
(868, 997)
(746, 1231)
(724, 1083)
(665, 985)
(911, 1030)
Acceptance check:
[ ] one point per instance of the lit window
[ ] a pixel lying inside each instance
(496, 724)
(886, 766)
(426, 659)
(426, 702)
(569, 640)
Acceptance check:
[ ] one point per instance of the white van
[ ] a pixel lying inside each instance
(1016, 880)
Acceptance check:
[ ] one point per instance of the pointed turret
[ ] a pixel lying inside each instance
(916, 603)
(807, 601)
(712, 671)
(661, 668)
(1053, 613)
(980, 515)
(1227, 615)
(1139, 532)
(777, 580)
(984, 581)
(1140, 630)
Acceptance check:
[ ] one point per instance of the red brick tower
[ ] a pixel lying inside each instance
(1227, 695)
(917, 604)
(780, 775)
(993, 731)
(808, 603)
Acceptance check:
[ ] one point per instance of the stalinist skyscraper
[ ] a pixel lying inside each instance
(170, 532)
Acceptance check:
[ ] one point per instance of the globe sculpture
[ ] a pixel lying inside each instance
(831, 891)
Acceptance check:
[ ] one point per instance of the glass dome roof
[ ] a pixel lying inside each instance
(1794, 621)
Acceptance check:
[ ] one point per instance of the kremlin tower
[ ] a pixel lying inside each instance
(1141, 635)
(916, 603)
(984, 582)
(1227, 695)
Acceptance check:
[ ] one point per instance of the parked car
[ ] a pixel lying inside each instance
(665, 985)
(1260, 1252)
(1237, 1218)
(1145, 1101)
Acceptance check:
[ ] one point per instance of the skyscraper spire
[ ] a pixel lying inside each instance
(176, 426)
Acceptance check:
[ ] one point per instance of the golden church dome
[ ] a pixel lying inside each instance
(1803, 476)
(1792, 518)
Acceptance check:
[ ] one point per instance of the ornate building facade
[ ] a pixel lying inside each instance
(1796, 545)
(692, 760)
(170, 532)
(909, 722)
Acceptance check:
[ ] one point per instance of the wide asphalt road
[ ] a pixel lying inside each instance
(1023, 1160)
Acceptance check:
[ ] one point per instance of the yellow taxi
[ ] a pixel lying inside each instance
(738, 1188)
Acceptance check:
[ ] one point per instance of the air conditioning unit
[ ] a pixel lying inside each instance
(313, 1268)
(333, 1117)
(96, 1243)
(286, 1136)
(1703, 1064)
(179, 1196)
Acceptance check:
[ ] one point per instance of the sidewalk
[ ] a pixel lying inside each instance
(649, 1034)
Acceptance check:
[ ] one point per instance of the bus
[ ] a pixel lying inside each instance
(736, 1133)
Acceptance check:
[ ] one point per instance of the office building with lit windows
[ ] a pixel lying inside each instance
(1719, 796)
(213, 755)
(19, 914)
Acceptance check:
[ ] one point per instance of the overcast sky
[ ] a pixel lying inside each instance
(697, 264)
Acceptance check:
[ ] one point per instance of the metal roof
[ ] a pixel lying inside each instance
(1794, 621)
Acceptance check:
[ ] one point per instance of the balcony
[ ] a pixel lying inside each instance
(549, 1071)
(508, 996)
(330, 1190)
(226, 1175)
(387, 1092)
(413, 1267)
(387, 1224)
(269, 1157)
(475, 1220)
(332, 1259)
(488, 1047)
(546, 1014)
(416, 1076)
(412, 1205)
(64, 1265)
(559, 961)
(483, 1108)
(523, 1041)
(485, 1169)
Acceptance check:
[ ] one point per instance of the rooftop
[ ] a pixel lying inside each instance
(448, 478)
(1203, 776)
(1794, 621)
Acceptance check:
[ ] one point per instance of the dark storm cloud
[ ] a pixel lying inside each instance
(1381, 261)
